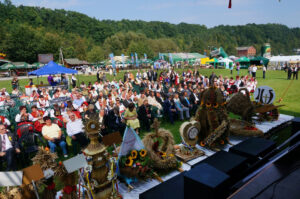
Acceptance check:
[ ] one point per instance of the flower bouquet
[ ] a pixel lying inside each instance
(136, 165)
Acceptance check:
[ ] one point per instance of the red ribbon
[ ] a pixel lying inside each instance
(250, 128)
(69, 189)
(229, 6)
(51, 186)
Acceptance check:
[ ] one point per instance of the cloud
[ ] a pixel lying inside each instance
(53, 4)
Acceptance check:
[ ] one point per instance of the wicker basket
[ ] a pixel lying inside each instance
(241, 104)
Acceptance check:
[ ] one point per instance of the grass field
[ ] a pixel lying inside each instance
(275, 79)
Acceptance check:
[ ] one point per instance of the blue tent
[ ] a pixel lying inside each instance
(52, 68)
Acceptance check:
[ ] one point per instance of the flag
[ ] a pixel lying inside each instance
(123, 60)
(145, 55)
(171, 58)
(132, 58)
(113, 63)
(136, 60)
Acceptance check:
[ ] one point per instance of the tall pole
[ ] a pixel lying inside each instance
(61, 56)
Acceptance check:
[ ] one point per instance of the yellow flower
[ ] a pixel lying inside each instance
(202, 144)
(143, 153)
(171, 155)
(10, 139)
(129, 162)
(162, 154)
(208, 105)
(134, 154)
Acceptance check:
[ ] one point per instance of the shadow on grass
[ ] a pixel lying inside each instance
(292, 113)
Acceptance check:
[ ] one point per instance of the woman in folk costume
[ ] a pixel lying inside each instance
(177, 79)
(42, 103)
(57, 112)
(5, 121)
(23, 118)
(34, 96)
(56, 94)
(38, 118)
(131, 118)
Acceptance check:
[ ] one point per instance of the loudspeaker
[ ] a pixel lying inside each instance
(172, 188)
(230, 163)
(205, 182)
(253, 148)
(295, 129)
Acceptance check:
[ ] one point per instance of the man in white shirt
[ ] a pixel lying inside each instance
(8, 146)
(264, 72)
(75, 131)
(254, 69)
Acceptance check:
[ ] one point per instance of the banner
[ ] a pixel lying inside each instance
(160, 56)
(123, 60)
(171, 58)
(132, 59)
(113, 63)
(136, 60)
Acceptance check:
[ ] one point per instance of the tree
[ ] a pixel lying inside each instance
(140, 48)
(22, 44)
(96, 54)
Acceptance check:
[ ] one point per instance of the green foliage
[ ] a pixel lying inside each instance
(96, 54)
(27, 31)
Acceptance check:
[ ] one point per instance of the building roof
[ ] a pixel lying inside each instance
(244, 48)
(75, 61)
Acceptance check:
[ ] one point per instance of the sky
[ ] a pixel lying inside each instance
(205, 12)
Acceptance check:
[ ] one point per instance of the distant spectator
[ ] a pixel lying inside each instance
(15, 83)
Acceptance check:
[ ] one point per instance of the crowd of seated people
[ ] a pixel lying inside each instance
(133, 101)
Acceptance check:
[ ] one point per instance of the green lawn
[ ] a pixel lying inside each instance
(275, 79)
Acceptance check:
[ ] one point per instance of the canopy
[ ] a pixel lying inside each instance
(243, 59)
(183, 56)
(285, 58)
(52, 68)
(258, 59)
(206, 60)
(226, 62)
(213, 60)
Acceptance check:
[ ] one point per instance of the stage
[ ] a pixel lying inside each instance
(142, 186)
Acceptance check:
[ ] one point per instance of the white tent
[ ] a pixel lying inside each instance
(226, 61)
(278, 61)
(285, 58)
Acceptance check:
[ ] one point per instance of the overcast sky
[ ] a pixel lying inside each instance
(206, 12)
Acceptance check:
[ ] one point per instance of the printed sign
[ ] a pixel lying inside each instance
(11, 178)
(33, 172)
(264, 95)
(130, 141)
(75, 163)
